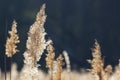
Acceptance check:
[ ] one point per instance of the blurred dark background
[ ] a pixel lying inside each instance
(72, 24)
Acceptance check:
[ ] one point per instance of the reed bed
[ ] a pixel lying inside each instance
(35, 46)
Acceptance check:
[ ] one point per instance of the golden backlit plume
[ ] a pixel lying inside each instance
(11, 42)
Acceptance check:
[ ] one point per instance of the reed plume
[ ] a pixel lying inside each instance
(50, 56)
(97, 62)
(67, 60)
(116, 74)
(50, 59)
(12, 41)
(57, 68)
(36, 44)
(11, 44)
(54, 66)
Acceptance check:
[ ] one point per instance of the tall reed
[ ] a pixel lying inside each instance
(11, 44)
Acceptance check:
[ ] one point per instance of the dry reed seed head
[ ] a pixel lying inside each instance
(11, 42)
(56, 71)
(97, 63)
(116, 74)
(67, 60)
(57, 68)
(50, 56)
(96, 51)
(108, 69)
(117, 68)
(60, 59)
(36, 42)
(41, 14)
(40, 20)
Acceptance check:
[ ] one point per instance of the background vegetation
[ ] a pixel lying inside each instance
(72, 24)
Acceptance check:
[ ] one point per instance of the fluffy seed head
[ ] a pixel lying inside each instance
(11, 47)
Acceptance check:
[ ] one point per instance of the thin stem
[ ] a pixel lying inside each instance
(4, 54)
(10, 68)
(5, 66)
(51, 74)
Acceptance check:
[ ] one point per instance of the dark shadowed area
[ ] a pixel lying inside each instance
(72, 24)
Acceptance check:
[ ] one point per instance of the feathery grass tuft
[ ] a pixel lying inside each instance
(12, 41)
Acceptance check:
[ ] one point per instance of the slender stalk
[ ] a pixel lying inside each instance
(51, 72)
(5, 66)
(6, 28)
(10, 68)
